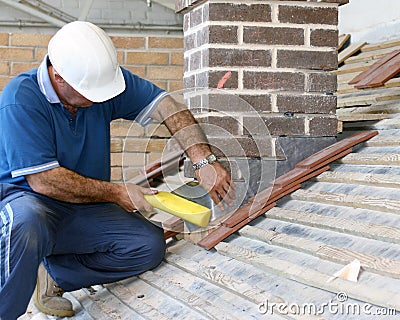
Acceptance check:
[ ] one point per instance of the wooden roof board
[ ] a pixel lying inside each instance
(381, 45)
(369, 262)
(372, 69)
(374, 179)
(370, 55)
(349, 51)
(342, 40)
(344, 88)
(353, 67)
(311, 277)
(335, 149)
(361, 117)
(386, 69)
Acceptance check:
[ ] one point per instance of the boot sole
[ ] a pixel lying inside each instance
(51, 312)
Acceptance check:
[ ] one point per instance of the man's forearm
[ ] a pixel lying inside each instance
(66, 185)
(184, 127)
(189, 135)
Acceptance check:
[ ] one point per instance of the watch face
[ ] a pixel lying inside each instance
(211, 158)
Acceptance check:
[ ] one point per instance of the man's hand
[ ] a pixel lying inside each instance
(218, 183)
(66, 185)
(134, 198)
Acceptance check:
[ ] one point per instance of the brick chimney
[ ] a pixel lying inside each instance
(276, 56)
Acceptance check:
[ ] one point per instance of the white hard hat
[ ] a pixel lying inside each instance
(85, 57)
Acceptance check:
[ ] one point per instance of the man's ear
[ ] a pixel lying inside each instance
(58, 78)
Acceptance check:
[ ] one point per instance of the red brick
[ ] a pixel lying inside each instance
(128, 159)
(4, 39)
(121, 56)
(292, 81)
(165, 73)
(186, 64)
(214, 34)
(116, 174)
(239, 12)
(242, 146)
(157, 130)
(189, 42)
(195, 61)
(129, 42)
(183, 6)
(189, 81)
(308, 14)
(176, 58)
(124, 128)
(260, 103)
(236, 57)
(210, 79)
(144, 145)
(322, 82)
(314, 60)
(324, 38)
(138, 70)
(131, 172)
(196, 17)
(166, 42)
(14, 54)
(147, 58)
(195, 104)
(222, 102)
(30, 40)
(39, 53)
(323, 126)
(175, 86)
(275, 125)
(306, 103)
(219, 125)
(3, 81)
(273, 36)
(186, 22)
(116, 145)
(163, 84)
(222, 34)
(18, 67)
(4, 68)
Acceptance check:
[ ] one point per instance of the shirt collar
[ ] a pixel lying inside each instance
(44, 82)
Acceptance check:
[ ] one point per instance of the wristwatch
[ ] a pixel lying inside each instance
(202, 163)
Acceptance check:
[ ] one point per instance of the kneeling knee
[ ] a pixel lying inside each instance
(155, 248)
(30, 224)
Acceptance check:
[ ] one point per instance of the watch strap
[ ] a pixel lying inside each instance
(204, 162)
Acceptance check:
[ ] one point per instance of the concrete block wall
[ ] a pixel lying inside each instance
(157, 58)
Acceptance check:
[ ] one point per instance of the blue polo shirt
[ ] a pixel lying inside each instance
(37, 133)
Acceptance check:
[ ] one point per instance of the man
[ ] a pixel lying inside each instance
(59, 213)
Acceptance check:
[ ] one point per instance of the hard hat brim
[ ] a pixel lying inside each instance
(106, 92)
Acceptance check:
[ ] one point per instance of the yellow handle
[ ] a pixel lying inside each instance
(180, 207)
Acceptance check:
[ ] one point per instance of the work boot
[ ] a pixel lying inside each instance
(48, 296)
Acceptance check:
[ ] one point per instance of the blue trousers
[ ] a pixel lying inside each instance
(80, 245)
